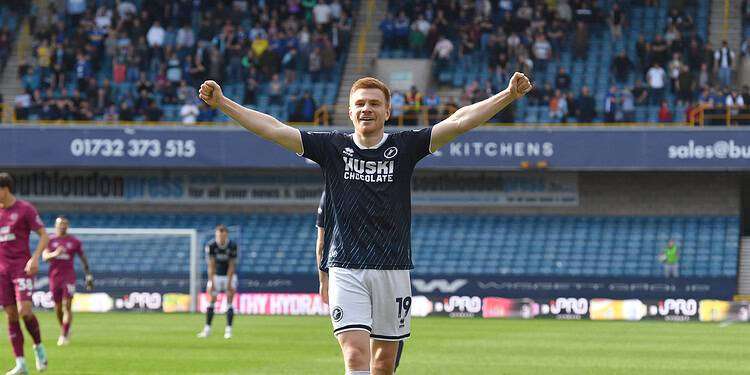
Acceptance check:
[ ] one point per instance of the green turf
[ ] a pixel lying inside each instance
(152, 343)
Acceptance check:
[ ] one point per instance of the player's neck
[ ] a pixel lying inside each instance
(368, 140)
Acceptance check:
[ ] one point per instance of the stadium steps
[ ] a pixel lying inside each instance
(734, 24)
(10, 85)
(367, 38)
(744, 268)
(733, 36)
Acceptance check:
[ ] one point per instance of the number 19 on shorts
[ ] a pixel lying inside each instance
(403, 304)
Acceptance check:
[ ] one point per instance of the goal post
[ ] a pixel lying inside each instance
(94, 240)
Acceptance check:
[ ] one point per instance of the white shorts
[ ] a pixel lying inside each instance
(221, 283)
(377, 301)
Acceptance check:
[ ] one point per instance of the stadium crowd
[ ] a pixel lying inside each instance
(672, 69)
(124, 62)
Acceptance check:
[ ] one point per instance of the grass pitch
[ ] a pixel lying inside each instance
(154, 343)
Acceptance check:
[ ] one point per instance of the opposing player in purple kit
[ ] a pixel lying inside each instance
(18, 219)
(60, 254)
(368, 177)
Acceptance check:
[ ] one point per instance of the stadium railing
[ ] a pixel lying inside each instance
(706, 114)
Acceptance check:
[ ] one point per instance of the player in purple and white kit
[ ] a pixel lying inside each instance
(60, 254)
(17, 269)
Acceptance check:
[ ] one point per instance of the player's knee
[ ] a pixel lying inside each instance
(384, 361)
(12, 315)
(356, 358)
(25, 312)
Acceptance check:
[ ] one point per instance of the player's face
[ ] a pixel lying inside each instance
(3, 195)
(368, 110)
(221, 236)
(61, 227)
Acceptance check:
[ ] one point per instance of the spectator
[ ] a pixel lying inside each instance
(401, 30)
(322, 14)
(656, 78)
(442, 54)
(581, 41)
(22, 105)
(413, 101)
(556, 35)
(734, 101)
(275, 90)
(432, 102)
(185, 38)
(189, 112)
(388, 29)
(558, 107)
(641, 51)
(669, 258)
(585, 106)
(397, 106)
(315, 64)
(621, 67)
(611, 105)
(289, 63)
(616, 20)
(724, 63)
(564, 11)
(308, 107)
(542, 50)
(659, 50)
(156, 35)
(685, 85)
(418, 34)
(665, 115)
(563, 80)
(126, 112)
(153, 113)
(675, 67)
(205, 113)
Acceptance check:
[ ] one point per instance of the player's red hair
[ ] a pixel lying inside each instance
(372, 83)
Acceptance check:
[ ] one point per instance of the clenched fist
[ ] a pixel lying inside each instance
(519, 85)
(210, 92)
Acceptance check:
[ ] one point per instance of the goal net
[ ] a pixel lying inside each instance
(127, 260)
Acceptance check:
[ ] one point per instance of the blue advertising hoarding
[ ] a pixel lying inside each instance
(559, 148)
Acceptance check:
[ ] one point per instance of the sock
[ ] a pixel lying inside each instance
(230, 316)
(209, 314)
(32, 325)
(398, 354)
(16, 338)
(21, 361)
(65, 329)
(366, 372)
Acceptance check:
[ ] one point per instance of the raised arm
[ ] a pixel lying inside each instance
(471, 116)
(265, 126)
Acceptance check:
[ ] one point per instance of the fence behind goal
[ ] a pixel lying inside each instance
(129, 262)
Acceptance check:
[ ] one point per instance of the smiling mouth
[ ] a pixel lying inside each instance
(367, 119)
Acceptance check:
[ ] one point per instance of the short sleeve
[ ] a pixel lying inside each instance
(320, 220)
(233, 251)
(315, 146)
(208, 251)
(34, 221)
(418, 143)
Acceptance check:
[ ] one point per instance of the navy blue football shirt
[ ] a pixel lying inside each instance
(368, 196)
